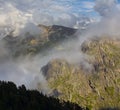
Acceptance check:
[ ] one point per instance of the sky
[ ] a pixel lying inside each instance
(80, 6)
(85, 7)
(56, 7)
(18, 14)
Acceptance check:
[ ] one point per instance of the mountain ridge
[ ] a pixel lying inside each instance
(49, 36)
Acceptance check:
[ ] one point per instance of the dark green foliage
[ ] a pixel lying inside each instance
(13, 98)
(109, 109)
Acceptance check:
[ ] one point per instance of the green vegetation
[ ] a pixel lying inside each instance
(98, 89)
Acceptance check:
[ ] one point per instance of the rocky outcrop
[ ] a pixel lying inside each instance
(54, 68)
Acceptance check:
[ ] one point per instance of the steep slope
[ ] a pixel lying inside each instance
(96, 89)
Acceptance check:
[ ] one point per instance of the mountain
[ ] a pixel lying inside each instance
(29, 44)
(94, 88)
(93, 83)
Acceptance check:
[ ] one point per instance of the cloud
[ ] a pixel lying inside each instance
(88, 4)
(24, 71)
(108, 25)
(16, 14)
(23, 16)
(105, 7)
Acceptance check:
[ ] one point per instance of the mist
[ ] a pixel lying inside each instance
(108, 26)
(24, 16)
(21, 17)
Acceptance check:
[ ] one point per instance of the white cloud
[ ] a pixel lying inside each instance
(88, 4)
(17, 13)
